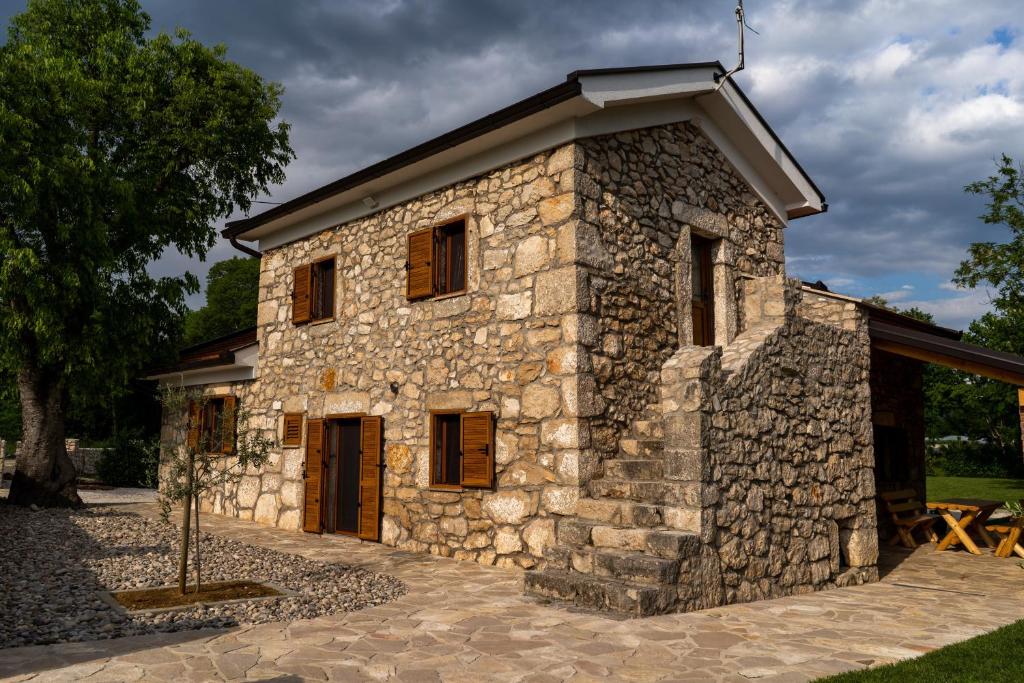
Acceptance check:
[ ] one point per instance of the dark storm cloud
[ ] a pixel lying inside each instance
(891, 106)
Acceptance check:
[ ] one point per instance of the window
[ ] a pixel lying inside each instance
(292, 430)
(313, 292)
(702, 298)
(212, 425)
(462, 449)
(436, 261)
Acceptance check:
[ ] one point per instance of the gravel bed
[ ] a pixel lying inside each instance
(55, 563)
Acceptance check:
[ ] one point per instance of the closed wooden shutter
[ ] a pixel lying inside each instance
(419, 281)
(292, 430)
(369, 478)
(302, 289)
(227, 426)
(192, 440)
(311, 520)
(478, 449)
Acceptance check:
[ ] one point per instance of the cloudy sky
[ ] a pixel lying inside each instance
(892, 106)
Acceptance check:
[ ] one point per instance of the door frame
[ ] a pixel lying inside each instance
(380, 465)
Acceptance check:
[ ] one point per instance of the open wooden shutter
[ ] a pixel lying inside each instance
(369, 478)
(192, 441)
(227, 426)
(311, 518)
(292, 430)
(302, 289)
(478, 449)
(419, 280)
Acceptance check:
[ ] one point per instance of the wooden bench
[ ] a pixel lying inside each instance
(1009, 534)
(909, 515)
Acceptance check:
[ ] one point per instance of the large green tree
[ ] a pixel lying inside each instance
(117, 145)
(232, 293)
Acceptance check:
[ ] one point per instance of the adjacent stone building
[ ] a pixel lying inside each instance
(562, 339)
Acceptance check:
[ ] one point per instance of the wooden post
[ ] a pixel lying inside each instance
(1020, 408)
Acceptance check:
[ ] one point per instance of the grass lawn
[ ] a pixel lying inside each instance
(989, 658)
(975, 487)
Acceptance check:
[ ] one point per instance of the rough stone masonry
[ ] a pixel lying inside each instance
(577, 301)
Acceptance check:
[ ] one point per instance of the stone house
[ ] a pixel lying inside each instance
(561, 338)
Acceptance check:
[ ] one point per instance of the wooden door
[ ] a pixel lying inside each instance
(370, 466)
(312, 513)
(701, 292)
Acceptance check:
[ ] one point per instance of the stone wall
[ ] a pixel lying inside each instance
(642, 194)
(507, 345)
(790, 448)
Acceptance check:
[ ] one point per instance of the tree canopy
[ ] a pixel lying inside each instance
(232, 293)
(117, 147)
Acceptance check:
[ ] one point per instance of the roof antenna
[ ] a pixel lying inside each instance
(741, 23)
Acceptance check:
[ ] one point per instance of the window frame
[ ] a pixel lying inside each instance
(435, 265)
(315, 302)
(461, 433)
(210, 435)
(434, 415)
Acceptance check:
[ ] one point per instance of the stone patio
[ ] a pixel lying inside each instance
(465, 622)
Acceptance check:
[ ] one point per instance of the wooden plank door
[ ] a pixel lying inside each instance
(371, 440)
(701, 292)
(312, 512)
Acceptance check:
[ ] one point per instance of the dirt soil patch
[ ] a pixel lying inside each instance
(157, 598)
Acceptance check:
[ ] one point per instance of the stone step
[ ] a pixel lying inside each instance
(617, 564)
(634, 447)
(634, 469)
(617, 511)
(600, 593)
(665, 543)
(659, 492)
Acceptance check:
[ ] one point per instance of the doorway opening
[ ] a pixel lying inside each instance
(341, 502)
(702, 298)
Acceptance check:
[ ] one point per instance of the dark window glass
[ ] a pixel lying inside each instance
(447, 454)
(450, 258)
(212, 426)
(323, 290)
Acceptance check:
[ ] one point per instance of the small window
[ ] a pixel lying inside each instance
(436, 262)
(450, 258)
(292, 430)
(313, 292)
(462, 450)
(212, 425)
(702, 298)
(323, 289)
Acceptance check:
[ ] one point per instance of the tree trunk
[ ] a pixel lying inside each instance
(186, 523)
(199, 575)
(44, 474)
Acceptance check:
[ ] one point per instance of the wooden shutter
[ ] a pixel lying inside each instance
(302, 289)
(311, 520)
(192, 441)
(419, 281)
(369, 478)
(478, 449)
(292, 430)
(227, 426)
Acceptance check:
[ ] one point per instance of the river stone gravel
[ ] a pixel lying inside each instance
(54, 564)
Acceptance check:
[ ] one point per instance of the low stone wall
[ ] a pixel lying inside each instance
(777, 431)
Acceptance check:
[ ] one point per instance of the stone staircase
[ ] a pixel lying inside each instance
(624, 549)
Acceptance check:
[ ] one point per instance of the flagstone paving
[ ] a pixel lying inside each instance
(464, 622)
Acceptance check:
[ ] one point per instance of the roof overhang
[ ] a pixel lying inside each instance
(588, 103)
(930, 347)
(229, 366)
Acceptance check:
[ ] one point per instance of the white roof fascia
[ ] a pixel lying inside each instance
(244, 368)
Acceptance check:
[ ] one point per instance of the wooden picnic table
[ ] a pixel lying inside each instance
(973, 515)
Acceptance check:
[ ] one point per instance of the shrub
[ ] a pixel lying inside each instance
(132, 461)
(972, 459)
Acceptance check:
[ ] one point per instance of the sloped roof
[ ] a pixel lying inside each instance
(589, 102)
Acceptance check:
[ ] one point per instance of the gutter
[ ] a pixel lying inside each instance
(242, 248)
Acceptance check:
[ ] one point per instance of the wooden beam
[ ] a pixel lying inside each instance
(972, 367)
